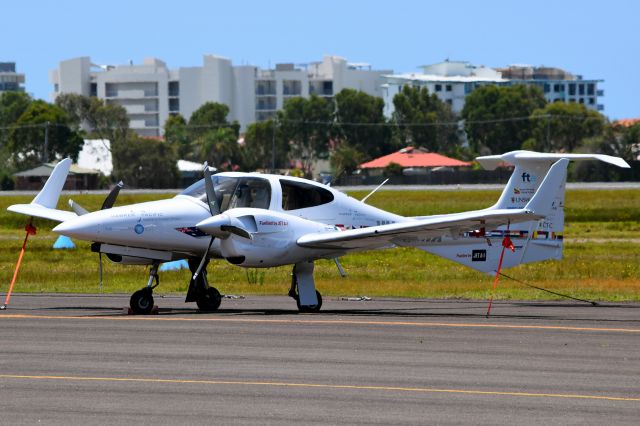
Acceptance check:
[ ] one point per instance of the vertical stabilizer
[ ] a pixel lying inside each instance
(48, 196)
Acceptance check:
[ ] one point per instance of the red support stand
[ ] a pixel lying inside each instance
(506, 244)
(30, 230)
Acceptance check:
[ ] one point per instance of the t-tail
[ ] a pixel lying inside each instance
(537, 184)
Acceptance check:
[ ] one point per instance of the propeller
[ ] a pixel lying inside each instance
(108, 202)
(111, 198)
(214, 209)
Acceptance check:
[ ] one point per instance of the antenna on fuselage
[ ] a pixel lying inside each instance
(373, 192)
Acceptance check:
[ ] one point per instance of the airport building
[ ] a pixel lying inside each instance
(452, 81)
(10, 80)
(151, 92)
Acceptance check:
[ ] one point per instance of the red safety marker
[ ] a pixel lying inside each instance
(30, 230)
(506, 244)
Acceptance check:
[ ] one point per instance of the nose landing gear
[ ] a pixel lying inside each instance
(141, 301)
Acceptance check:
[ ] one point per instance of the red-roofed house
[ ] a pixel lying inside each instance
(627, 122)
(414, 158)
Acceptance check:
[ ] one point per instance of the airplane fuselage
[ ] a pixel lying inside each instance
(281, 208)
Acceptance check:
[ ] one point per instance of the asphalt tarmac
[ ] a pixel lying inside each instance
(80, 359)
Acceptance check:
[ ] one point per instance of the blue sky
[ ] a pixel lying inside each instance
(597, 39)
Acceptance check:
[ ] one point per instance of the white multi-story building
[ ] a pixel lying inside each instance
(452, 81)
(151, 92)
(10, 80)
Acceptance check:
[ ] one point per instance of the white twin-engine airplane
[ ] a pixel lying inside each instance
(259, 220)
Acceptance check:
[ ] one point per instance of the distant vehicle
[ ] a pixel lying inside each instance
(260, 220)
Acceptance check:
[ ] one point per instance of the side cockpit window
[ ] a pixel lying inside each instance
(300, 195)
(251, 192)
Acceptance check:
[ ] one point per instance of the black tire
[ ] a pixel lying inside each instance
(311, 308)
(209, 301)
(141, 301)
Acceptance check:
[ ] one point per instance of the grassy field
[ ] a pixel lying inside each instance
(602, 256)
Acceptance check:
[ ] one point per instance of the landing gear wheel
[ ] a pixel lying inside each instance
(141, 301)
(310, 308)
(209, 301)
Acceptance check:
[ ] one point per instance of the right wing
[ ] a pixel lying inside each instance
(420, 231)
(415, 232)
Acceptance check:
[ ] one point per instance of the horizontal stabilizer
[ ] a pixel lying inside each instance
(37, 210)
(490, 162)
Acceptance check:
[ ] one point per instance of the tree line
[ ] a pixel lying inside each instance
(348, 129)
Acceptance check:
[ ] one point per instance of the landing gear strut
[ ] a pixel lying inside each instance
(206, 297)
(303, 288)
(141, 301)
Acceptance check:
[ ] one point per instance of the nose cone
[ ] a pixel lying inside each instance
(84, 227)
(214, 225)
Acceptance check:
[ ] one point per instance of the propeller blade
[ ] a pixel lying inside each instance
(100, 264)
(77, 208)
(203, 261)
(111, 198)
(211, 194)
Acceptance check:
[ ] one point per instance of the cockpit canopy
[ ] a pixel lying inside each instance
(251, 191)
(233, 192)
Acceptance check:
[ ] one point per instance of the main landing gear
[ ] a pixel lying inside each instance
(303, 288)
(206, 297)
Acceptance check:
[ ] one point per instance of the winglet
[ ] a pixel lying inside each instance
(48, 196)
(542, 201)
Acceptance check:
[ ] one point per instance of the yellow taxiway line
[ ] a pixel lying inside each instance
(316, 386)
(323, 322)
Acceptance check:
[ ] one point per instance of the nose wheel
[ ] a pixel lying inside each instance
(141, 301)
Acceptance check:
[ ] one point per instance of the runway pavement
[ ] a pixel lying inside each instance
(79, 359)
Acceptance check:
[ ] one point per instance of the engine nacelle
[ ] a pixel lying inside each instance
(273, 242)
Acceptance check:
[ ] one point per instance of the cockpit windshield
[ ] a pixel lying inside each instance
(233, 192)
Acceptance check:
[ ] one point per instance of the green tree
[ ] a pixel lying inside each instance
(12, 106)
(562, 127)
(306, 124)
(214, 139)
(100, 120)
(259, 140)
(210, 116)
(361, 123)
(423, 120)
(616, 140)
(497, 117)
(220, 148)
(345, 159)
(42, 122)
(177, 135)
(144, 163)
